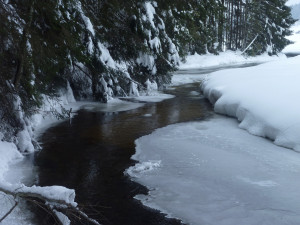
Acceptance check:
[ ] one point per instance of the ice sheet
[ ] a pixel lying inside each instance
(212, 172)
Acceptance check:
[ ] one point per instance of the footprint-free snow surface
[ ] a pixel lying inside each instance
(212, 172)
(264, 98)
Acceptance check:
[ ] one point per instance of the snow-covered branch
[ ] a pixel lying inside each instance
(57, 199)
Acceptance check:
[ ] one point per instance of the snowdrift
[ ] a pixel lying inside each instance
(263, 98)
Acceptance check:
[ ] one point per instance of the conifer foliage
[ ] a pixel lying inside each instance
(116, 48)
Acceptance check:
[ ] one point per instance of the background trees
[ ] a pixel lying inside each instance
(115, 48)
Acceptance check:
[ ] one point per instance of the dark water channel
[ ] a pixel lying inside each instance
(91, 154)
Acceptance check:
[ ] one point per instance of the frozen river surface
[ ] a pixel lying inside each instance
(212, 172)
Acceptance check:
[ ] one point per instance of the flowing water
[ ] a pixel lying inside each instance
(91, 153)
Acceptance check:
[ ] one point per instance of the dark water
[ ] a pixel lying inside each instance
(290, 55)
(91, 154)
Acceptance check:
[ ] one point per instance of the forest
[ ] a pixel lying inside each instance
(103, 49)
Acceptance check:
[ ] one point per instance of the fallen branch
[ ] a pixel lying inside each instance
(63, 202)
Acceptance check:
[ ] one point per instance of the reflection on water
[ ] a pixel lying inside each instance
(91, 154)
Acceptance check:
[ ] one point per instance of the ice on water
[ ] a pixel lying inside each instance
(212, 172)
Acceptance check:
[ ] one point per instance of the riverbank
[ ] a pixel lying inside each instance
(41, 122)
(213, 172)
(93, 151)
(17, 169)
(225, 58)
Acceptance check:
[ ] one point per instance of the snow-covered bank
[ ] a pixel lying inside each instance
(9, 154)
(197, 75)
(212, 172)
(224, 58)
(11, 177)
(263, 98)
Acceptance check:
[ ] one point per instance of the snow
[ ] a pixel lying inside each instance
(134, 89)
(263, 98)
(113, 105)
(154, 98)
(89, 26)
(212, 172)
(141, 168)
(24, 141)
(147, 61)
(182, 77)
(57, 193)
(10, 154)
(224, 58)
(106, 57)
(150, 11)
(11, 177)
(62, 218)
(197, 75)
(295, 37)
(14, 169)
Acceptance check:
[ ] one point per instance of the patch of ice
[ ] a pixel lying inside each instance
(194, 93)
(159, 97)
(141, 168)
(212, 172)
(113, 105)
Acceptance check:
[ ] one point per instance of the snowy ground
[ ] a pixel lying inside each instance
(212, 172)
(197, 66)
(224, 58)
(263, 98)
(10, 154)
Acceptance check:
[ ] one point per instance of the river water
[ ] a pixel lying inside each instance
(91, 153)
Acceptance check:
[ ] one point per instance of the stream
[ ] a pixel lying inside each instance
(91, 153)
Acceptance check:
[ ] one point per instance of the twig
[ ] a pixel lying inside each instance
(9, 212)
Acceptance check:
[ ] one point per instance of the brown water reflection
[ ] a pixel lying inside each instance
(91, 154)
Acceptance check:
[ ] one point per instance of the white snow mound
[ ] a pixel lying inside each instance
(263, 98)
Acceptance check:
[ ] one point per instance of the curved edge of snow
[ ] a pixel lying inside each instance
(262, 98)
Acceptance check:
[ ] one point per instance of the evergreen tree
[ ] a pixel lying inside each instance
(117, 48)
